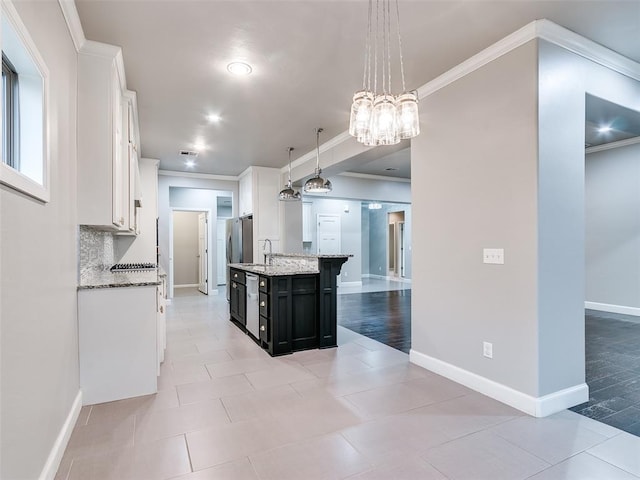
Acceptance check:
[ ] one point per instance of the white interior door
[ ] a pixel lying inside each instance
(221, 252)
(203, 253)
(328, 234)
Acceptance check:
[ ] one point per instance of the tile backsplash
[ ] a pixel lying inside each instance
(96, 249)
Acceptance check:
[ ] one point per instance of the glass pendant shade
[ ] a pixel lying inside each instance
(361, 109)
(408, 119)
(383, 122)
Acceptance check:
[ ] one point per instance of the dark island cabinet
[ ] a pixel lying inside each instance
(288, 313)
(238, 297)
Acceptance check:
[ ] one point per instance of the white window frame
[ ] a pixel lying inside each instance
(8, 175)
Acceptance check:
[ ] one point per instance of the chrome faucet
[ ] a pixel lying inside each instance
(264, 247)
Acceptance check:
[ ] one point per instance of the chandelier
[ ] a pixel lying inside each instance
(378, 117)
(317, 184)
(288, 194)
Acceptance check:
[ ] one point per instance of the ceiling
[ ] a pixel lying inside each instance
(307, 62)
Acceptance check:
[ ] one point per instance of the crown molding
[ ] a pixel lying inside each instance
(612, 145)
(202, 176)
(70, 14)
(328, 145)
(538, 29)
(380, 178)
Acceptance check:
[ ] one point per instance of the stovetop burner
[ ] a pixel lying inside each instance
(128, 267)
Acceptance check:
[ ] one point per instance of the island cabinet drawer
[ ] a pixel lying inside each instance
(264, 304)
(263, 284)
(238, 276)
(265, 330)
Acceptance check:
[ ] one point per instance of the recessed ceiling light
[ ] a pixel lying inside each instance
(213, 118)
(189, 164)
(239, 68)
(605, 129)
(199, 145)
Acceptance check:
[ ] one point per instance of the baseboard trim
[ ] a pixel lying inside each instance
(384, 277)
(187, 285)
(606, 307)
(351, 284)
(57, 451)
(535, 406)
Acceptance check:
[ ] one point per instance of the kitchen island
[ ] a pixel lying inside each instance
(296, 301)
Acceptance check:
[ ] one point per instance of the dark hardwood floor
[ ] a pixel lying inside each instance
(383, 316)
(612, 351)
(612, 370)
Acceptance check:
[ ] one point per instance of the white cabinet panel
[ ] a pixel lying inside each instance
(117, 342)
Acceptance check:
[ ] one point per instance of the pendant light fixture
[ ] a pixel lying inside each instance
(382, 118)
(288, 194)
(317, 184)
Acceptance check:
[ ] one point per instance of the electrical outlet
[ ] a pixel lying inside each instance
(493, 255)
(487, 349)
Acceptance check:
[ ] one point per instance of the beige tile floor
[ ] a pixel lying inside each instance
(226, 410)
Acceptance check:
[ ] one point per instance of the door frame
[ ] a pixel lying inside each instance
(206, 253)
(210, 265)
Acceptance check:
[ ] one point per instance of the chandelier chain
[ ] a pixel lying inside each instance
(388, 41)
(404, 88)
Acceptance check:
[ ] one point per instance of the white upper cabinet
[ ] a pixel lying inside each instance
(245, 194)
(106, 127)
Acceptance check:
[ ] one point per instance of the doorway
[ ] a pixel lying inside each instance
(396, 260)
(190, 243)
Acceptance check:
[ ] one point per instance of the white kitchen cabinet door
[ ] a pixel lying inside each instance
(117, 343)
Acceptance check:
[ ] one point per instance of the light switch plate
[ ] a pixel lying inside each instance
(487, 349)
(493, 255)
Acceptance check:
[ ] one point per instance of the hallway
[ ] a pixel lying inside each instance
(226, 410)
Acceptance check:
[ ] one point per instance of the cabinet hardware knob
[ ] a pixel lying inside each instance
(235, 275)
(262, 284)
(161, 309)
(121, 220)
(262, 329)
(262, 304)
(234, 285)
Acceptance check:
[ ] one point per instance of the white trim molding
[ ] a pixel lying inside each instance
(70, 13)
(535, 406)
(350, 284)
(606, 307)
(204, 176)
(612, 145)
(57, 451)
(381, 178)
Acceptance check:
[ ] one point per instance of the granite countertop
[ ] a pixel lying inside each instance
(97, 278)
(274, 270)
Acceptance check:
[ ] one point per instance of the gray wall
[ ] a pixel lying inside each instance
(514, 182)
(185, 248)
(476, 167)
(38, 275)
(356, 188)
(612, 214)
(565, 78)
(365, 225)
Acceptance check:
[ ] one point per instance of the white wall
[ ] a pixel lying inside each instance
(185, 248)
(612, 215)
(38, 273)
(190, 193)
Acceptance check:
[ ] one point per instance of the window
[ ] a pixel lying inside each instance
(10, 122)
(25, 160)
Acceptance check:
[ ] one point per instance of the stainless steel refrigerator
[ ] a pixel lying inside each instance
(239, 243)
